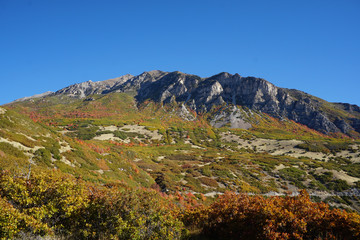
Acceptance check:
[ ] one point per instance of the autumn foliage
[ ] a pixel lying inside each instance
(66, 207)
(54, 204)
(255, 217)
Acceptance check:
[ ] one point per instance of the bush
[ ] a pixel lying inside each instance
(120, 134)
(338, 185)
(313, 146)
(48, 204)
(206, 171)
(337, 146)
(324, 147)
(209, 181)
(327, 178)
(12, 221)
(294, 175)
(11, 150)
(128, 215)
(43, 155)
(241, 216)
(54, 149)
(86, 133)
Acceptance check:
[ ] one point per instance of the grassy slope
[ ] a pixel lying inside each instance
(43, 144)
(203, 166)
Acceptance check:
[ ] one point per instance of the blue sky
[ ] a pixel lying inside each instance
(313, 46)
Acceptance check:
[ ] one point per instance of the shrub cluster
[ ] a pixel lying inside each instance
(66, 207)
(255, 217)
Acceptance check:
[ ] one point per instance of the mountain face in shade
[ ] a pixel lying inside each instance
(224, 89)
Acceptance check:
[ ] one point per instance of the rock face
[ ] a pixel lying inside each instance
(82, 90)
(34, 96)
(234, 118)
(2, 110)
(202, 94)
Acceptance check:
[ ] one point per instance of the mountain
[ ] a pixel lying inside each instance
(91, 151)
(84, 89)
(204, 94)
(178, 132)
(34, 96)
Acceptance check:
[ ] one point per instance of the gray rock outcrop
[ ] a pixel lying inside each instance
(224, 89)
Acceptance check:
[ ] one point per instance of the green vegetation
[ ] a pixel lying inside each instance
(52, 204)
(352, 169)
(43, 155)
(11, 150)
(325, 147)
(295, 175)
(55, 204)
(190, 160)
(328, 180)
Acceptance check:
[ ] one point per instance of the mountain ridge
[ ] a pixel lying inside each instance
(180, 132)
(202, 94)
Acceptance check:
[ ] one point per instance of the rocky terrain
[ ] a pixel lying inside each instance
(205, 94)
(178, 132)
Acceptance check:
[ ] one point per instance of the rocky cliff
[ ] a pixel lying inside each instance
(203, 94)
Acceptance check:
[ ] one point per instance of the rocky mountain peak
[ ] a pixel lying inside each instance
(225, 89)
(34, 96)
(156, 73)
(82, 90)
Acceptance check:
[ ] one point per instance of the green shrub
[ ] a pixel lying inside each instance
(294, 175)
(327, 179)
(11, 150)
(324, 147)
(54, 150)
(128, 215)
(87, 133)
(352, 169)
(120, 134)
(313, 146)
(206, 171)
(338, 185)
(209, 181)
(43, 155)
(337, 146)
(5, 122)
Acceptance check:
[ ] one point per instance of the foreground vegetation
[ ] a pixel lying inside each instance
(58, 205)
(62, 206)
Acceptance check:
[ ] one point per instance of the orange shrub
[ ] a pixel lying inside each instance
(255, 217)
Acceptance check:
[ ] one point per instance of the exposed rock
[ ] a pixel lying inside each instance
(355, 123)
(82, 90)
(184, 113)
(2, 110)
(202, 94)
(351, 108)
(342, 125)
(34, 96)
(234, 117)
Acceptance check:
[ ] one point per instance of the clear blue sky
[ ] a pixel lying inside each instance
(310, 45)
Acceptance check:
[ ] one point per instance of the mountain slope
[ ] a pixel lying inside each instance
(180, 132)
(27, 144)
(203, 94)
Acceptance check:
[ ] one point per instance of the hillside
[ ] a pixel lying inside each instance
(183, 134)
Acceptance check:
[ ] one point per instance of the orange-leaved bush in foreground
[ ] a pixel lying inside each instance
(240, 216)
